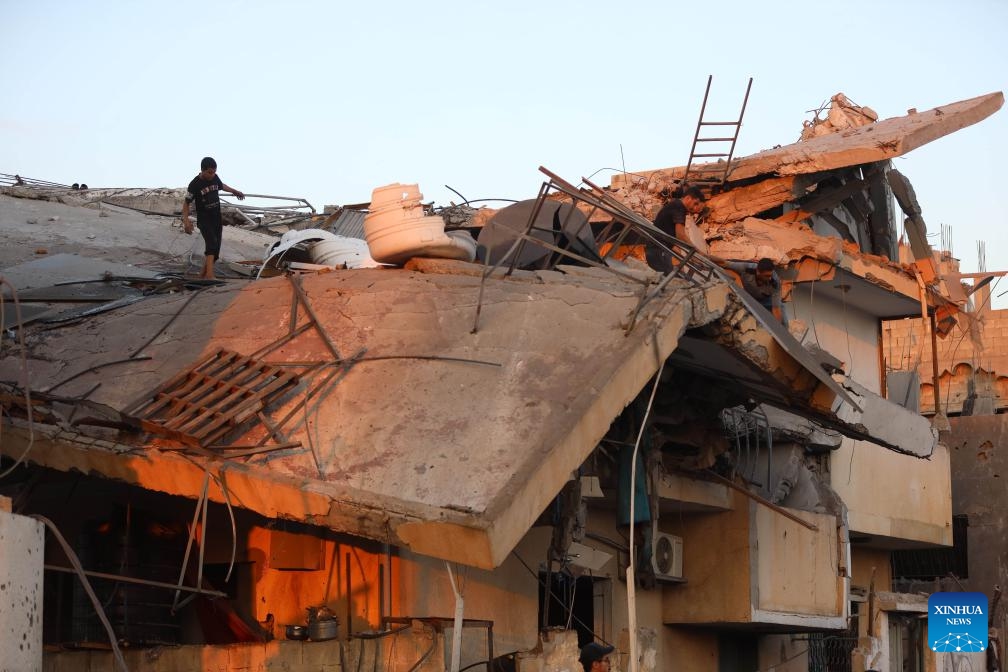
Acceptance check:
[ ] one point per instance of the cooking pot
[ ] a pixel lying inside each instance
(322, 629)
(298, 632)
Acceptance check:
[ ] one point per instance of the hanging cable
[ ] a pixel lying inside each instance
(548, 592)
(24, 372)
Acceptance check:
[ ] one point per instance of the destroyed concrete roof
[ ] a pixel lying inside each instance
(432, 437)
(882, 140)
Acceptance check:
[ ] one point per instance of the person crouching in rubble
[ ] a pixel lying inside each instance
(205, 190)
(672, 220)
(760, 280)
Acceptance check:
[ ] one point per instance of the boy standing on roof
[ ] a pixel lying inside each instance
(205, 190)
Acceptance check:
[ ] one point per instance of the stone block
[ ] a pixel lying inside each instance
(284, 656)
(321, 655)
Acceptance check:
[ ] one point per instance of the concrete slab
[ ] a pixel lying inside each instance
(53, 269)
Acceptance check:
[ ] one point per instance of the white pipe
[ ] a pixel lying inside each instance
(630, 574)
(456, 651)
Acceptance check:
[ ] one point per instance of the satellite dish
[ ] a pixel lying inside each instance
(559, 224)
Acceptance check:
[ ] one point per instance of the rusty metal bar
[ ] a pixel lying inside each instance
(296, 281)
(934, 364)
(130, 579)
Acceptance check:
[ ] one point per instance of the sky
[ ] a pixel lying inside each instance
(329, 100)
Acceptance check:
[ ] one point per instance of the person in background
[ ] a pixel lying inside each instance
(760, 280)
(595, 657)
(204, 190)
(672, 220)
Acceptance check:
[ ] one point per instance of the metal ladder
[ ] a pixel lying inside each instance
(714, 173)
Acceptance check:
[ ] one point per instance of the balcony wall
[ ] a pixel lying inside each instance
(754, 566)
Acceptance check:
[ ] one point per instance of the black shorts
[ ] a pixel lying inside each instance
(212, 232)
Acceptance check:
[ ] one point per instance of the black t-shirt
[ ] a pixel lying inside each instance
(673, 213)
(206, 194)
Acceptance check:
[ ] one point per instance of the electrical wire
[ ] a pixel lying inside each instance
(550, 593)
(24, 372)
(632, 569)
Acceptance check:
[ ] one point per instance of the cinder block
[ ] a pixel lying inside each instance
(285, 656)
(214, 659)
(247, 658)
(321, 655)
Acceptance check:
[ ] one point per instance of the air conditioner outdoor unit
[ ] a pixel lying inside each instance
(666, 557)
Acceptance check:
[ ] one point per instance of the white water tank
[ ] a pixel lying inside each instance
(396, 228)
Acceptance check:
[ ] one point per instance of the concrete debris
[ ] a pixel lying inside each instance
(842, 115)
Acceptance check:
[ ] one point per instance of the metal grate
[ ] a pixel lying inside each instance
(936, 563)
(752, 437)
(830, 653)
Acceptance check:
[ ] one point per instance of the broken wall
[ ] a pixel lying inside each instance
(964, 366)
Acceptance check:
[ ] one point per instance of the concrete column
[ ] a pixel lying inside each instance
(21, 556)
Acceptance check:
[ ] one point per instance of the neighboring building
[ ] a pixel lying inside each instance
(969, 368)
(388, 439)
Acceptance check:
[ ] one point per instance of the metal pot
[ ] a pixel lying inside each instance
(323, 629)
(298, 632)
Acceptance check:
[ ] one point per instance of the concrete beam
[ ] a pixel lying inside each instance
(890, 425)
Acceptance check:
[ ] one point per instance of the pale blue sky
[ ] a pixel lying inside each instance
(328, 100)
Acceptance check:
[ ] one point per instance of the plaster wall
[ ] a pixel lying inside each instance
(863, 560)
(844, 330)
(752, 564)
(716, 565)
(21, 549)
(648, 603)
(784, 653)
(696, 650)
(415, 586)
(894, 497)
(797, 568)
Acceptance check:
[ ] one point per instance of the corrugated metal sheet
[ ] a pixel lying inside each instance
(350, 223)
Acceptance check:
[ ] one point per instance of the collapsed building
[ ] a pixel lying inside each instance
(489, 465)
